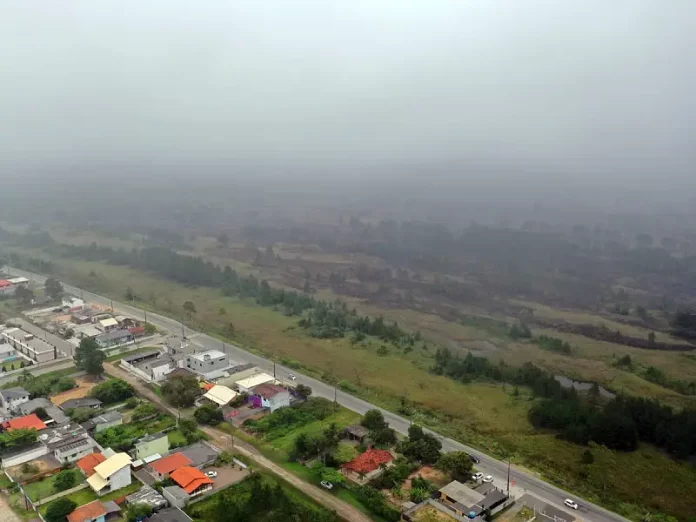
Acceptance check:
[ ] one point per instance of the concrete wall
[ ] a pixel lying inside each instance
(21, 458)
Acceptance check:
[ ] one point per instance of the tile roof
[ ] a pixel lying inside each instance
(190, 478)
(369, 461)
(88, 512)
(26, 422)
(268, 391)
(171, 463)
(88, 463)
(113, 464)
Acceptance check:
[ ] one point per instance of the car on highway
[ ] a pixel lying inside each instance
(326, 484)
(477, 476)
(475, 460)
(211, 474)
(488, 479)
(571, 503)
(292, 377)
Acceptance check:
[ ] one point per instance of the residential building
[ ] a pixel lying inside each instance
(163, 467)
(19, 281)
(192, 480)
(112, 474)
(200, 454)
(356, 433)
(176, 496)
(7, 288)
(172, 514)
(129, 361)
(147, 496)
(73, 304)
(29, 345)
(88, 463)
(104, 421)
(431, 509)
(106, 325)
(93, 512)
(72, 449)
(113, 338)
(154, 369)
(207, 362)
(270, 396)
(87, 331)
(85, 402)
(248, 384)
(12, 398)
(367, 466)
(56, 414)
(466, 502)
(22, 455)
(220, 395)
(152, 445)
(182, 372)
(30, 421)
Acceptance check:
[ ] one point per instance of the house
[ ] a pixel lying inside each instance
(206, 362)
(163, 467)
(200, 454)
(29, 345)
(220, 395)
(88, 463)
(248, 384)
(137, 358)
(6, 288)
(56, 414)
(181, 372)
(367, 466)
(154, 369)
(356, 433)
(96, 511)
(87, 331)
(104, 421)
(19, 281)
(73, 304)
(72, 448)
(176, 496)
(431, 509)
(12, 398)
(112, 474)
(147, 496)
(151, 445)
(461, 499)
(22, 455)
(270, 396)
(86, 402)
(113, 338)
(27, 422)
(192, 480)
(106, 325)
(171, 514)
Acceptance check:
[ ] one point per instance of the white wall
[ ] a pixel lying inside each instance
(121, 478)
(16, 460)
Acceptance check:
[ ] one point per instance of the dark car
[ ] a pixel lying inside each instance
(475, 460)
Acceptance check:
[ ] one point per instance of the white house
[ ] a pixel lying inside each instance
(246, 385)
(13, 397)
(112, 474)
(271, 396)
(220, 395)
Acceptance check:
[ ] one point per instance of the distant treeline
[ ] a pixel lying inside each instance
(618, 424)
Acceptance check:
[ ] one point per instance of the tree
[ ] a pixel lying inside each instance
(189, 308)
(344, 453)
(303, 391)
(209, 414)
(456, 464)
(24, 294)
(150, 329)
(138, 512)
(114, 390)
(64, 480)
(132, 403)
(41, 413)
(181, 391)
(54, 289)
(144, 411)
(651, 337)
(332, 475)
(421, 446)
(130, 295)
(80, 415)
(373, 420)
(229, 330)
(89, 358)
(58, 510)
(587, 457)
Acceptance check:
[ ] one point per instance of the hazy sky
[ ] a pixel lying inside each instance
(583, 89)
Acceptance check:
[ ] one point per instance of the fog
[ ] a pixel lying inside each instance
(539, 93)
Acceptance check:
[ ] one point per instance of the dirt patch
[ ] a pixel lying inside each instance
(428, 473)
(46, 465)
(84, 386)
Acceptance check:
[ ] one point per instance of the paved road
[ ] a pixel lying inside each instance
(524, 481)
(225, 441)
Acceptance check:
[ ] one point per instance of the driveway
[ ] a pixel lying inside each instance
(227, 475)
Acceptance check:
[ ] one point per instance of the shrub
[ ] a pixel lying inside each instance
(112, 391)
(132, 402)
(209, 414)
(64, 480)
(58, 510)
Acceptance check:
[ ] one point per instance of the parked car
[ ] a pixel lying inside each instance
(211, 474)
(571, 503)
(292, 377)
(475, 460)
(477, 476)
(326, 484)
(488, 478)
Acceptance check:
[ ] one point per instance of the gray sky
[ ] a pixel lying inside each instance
(586, 90)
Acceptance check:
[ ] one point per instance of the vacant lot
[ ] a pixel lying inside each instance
(84, 386)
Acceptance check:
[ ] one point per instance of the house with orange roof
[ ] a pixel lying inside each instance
(31, 421)
(88, 463)
(192, 480)
(368, 465)
(96, 511)
(163, 467)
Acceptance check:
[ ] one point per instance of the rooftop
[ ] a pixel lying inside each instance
(357, 430)
(113, 464)
(14, 393)
(109, 416)
(147, 495)
(177, 492)
(369, 461)
(88, 512)
(190, 479)
(71, 443)
(220, 394)
(172, 514)
(256, 380)
(268, 391)
(140, 356)
(200, 453)
(108, 322)
(26, 422)
(210, 354)
(462, 494)
(88, 463)
(36, 344)
(85, 402)
(151, 437)
(172, 462)
(113, 335)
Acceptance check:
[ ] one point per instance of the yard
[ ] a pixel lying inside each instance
(84, 386)
(45, 488)
(122, 437)
(85, 496)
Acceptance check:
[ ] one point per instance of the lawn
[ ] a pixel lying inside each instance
(344, 417)
(123, 436)
(483, 415)
(85, 496)
(44, 488)
(44, 376)
(176, 439)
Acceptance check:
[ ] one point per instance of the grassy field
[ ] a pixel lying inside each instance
(44, 488)
(85, 496)
(486, 416)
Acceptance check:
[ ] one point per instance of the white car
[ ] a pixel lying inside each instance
(477, 476)
(292, 377)
(326, 484)
(488, 479)
(211, 474)
(571, 503)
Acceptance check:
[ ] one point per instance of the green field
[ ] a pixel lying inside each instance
(487, 416)
(44, 488)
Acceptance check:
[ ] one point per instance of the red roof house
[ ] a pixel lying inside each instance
(168, 464)
(192, 480)
(4, 283)
(26, 422)
(88, 463)
(89, 512)
(369, 461)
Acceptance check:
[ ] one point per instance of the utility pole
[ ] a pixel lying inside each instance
(112, 306)
(508, 478)
(145, 316)
(274, 373)
(335, 394)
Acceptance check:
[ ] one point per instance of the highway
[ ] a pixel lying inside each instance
(521, 481)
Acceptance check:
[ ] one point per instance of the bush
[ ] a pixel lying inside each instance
(132, 403)
(283, 421)
(144, 411)
(209, 414)
(58, 510)
(64, 480)
(375, 501)
(81, 414)
(112, 391)
(138, 512)
(65, 384)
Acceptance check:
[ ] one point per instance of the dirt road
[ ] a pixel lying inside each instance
(230, 443)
